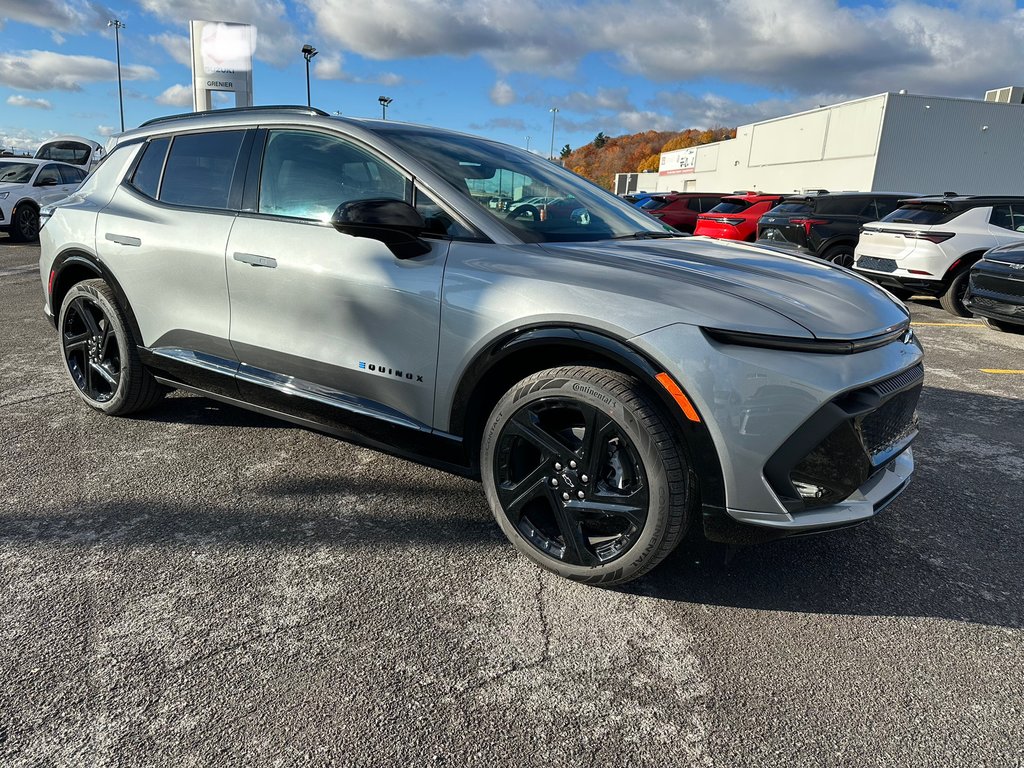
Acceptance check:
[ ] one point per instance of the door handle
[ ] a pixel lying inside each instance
(256, 261)
(123, 239)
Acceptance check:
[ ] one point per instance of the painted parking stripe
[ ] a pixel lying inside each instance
(1001, 370)
(952, 325)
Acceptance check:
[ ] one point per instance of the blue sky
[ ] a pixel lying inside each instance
(495, 67)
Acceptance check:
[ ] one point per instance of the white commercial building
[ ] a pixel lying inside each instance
(894, 142)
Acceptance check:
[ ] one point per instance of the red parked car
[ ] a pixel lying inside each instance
(735, 218)
(680, 209)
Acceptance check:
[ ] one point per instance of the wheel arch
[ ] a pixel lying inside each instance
(837, 242)
(525, 351)
(73, 266)
(963, 264)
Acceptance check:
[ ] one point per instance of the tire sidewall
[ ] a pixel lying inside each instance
(565, 386)
(90, 290)
(16, 221)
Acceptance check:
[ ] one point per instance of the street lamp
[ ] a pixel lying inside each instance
(308, 52)
(528, 143)
(118, 25)
(384, 101)
(554, 114)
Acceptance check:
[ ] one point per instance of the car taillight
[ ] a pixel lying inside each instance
(931, 237)
(722, 220)
(807, 224)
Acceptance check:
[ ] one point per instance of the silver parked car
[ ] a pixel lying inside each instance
(612, 382)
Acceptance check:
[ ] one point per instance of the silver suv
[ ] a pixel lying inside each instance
(612, 382)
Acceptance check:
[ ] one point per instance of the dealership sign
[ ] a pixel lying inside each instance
(680, 161)
(221, 61)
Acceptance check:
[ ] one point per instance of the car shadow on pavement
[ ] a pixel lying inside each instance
(186, 408)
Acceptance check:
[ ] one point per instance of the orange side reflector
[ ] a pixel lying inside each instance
(677, 394)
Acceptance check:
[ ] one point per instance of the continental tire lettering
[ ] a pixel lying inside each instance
(587, 390)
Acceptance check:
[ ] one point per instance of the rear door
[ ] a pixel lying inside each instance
(333, 318)
(163, 234)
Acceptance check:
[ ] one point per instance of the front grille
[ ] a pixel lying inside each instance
(878, 265)
(889, 426)
(999, 286)
(900, 381)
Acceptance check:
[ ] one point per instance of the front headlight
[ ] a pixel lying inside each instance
(45, 213)
(820, 346)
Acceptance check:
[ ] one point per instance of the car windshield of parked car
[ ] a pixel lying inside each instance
(501, 180)
(792, 208)
(16, 173)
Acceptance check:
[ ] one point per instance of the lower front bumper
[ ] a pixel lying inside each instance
(867, 501)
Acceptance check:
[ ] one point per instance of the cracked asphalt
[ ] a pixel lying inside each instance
(206, 586)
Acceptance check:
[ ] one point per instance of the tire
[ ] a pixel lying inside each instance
(100, 354)
(598, 438)
(841, 255)
(953, 299)
(24, 223)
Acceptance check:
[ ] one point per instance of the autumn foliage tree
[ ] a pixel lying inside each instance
(600, 160)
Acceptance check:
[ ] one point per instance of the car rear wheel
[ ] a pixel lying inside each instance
(841, 255)
(585, 474)
(953, 299)
(24, 223)
(100, 354)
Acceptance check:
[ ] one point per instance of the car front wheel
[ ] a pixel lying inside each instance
(585, 474)
(100, 354)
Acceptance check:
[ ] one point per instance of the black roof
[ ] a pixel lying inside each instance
(832, 195)
(963, 202)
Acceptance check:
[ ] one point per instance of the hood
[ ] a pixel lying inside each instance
(1007, 254)
(828, 301)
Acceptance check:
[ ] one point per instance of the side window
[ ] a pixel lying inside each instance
(308, 175)
(885, 206)
(1001, 217)
(49, 175)
(146, 178)
(694, 204)
(1017, 214)
(199, 169)
(71, 175)
(707, 203)
(869, 211)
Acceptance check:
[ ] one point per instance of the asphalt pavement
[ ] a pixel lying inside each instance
(205, 586)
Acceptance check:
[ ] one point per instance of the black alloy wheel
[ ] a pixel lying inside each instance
(586, 474)
(841, 255)
(571, 482)
(92, 350)
(100, 353)
(24, 223)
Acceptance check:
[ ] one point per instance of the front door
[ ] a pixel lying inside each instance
(325, 316)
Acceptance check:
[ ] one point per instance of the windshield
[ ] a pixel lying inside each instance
(16, 173)
(534, 198)
(920, 213)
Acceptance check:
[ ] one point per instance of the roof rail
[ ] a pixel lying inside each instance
(236, 110)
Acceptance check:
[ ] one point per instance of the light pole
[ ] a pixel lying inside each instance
(384, 102)
(308, 52)
(118, 25)
(554, 114)
(528, 143)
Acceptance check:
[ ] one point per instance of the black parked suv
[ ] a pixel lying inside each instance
(826, 223)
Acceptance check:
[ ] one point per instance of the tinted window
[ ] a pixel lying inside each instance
(792, 208)
(709, 203)
(16, 173)
(841, 206)
(1009, 217)
(199, 169)
(71, 175)
(731, 206)
(65, 151)
(146, 178)
(885, 206)
(308, 175)
(49, 175)
(921, 213)
(438, 221)
(653, 203)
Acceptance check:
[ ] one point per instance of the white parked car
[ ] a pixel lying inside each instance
(75, 150)
(27, 184)
(929, 244)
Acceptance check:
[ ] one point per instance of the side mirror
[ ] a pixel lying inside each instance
(393, 222)
(47, 182)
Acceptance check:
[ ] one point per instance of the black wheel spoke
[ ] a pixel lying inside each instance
(108, 334)
(76, 342)
(524, 426)
(597, 430)
(104, 374)
(604, 507)
(85, 313)
(514, 496)
(577, 549)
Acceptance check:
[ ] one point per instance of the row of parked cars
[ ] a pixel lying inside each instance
(966, 250)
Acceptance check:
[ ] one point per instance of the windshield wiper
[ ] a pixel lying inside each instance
(645, 234)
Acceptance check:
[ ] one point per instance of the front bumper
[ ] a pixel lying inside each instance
(996, 291)
(769, 411)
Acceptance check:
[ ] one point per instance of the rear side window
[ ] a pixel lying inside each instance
(653, 203)
(146, 178)
(842, 206)
(731, 206)
(921, 213)
(71, 175)
(49, 175)
(885, 206)
(1008, 217)
(200, 168)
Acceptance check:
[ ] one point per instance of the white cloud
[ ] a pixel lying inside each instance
(276, 40)
(24, 142)
(331, 66)
(21, 101)
(177, 46)
(502, 94)
(176, 96)
(46, 70)
(106, 130)
(77, 16)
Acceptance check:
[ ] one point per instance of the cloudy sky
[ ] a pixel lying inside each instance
(495, 67)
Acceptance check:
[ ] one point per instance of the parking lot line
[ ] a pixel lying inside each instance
(1000, 370)
(952, 325)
